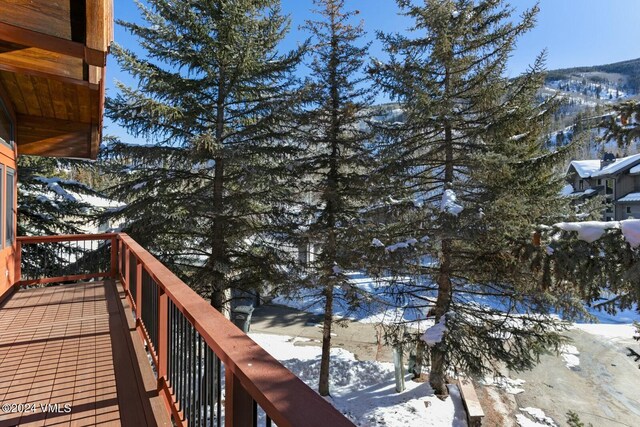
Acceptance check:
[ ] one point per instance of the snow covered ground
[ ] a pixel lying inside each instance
(364, 390)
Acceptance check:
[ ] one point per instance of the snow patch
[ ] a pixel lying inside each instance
(448, 203)
(364, 390)
(434, 334)
(590, 231)
(615, 332)
(536, 417)
(507, 384)
(377, 243)
(567, 190)
(570, 355)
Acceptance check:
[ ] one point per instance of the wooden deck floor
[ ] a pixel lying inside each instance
(73, 345)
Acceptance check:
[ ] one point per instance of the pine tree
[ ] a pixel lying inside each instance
(623, 124)
(54, 197)
(214, 98)
(335, 159)
(50, 198)
(471, 154)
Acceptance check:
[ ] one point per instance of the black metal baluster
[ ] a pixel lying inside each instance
(218, 390)
(208, 409)
(199, 380)
(255, 413)
(191, 367)
(183, 382)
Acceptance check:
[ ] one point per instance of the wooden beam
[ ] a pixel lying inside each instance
(41, 63)
(52, 137)
(30, 38)
(99, 24)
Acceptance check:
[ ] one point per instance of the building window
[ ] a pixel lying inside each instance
(610, 183)
(581, 184)
(599, 182)
(628, 209)
(10, 233)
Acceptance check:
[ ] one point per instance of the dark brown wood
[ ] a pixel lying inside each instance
(238, 409)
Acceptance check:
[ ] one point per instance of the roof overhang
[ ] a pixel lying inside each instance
(52, 68)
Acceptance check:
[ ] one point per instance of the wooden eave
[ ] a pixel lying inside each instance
(52, 66)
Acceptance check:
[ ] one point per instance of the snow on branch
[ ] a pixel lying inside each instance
(449, 204)
(590, 231)
(434, 334)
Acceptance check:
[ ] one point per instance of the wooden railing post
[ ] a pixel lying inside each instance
(163, 334)
(126, 268)
(138, 271)
(18, 263)
(114, 258)
(238, 403)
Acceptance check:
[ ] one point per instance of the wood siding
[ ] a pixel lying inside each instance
(52, 59)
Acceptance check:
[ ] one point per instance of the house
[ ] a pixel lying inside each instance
(114, 337)
(617, 179)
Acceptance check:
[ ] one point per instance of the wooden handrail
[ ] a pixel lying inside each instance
(64, 238)
(252, 374)
(283, 396)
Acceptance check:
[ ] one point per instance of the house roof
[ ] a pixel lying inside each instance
(631, 197)
(591, 168)
(52, 72)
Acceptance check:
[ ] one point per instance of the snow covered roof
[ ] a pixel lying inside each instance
(591, 168)
(587, 192)
(586, 167)
(631, 197)
(635, 169)
(618, 165)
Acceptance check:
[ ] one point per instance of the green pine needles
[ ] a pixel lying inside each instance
(215, 97)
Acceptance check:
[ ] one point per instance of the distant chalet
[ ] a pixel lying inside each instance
(617, 179)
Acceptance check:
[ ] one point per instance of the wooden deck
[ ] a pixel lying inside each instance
(73, 345)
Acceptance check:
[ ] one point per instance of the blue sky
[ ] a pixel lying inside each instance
(574, 32)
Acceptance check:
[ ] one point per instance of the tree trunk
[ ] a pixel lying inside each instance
(323, 383)
(332, 196)
(437, 376)
(218, 251)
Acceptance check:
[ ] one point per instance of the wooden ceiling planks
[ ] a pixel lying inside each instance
(53, 137)
(52, 58)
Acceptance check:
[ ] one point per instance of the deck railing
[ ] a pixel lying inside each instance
(195, 351)
(65, 258)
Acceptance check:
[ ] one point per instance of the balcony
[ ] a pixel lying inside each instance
(116, 338)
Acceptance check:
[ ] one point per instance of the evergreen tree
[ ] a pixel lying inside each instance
(335, 159)
(623, 124)
(51, 200)
(214, 98)
(470, 153)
